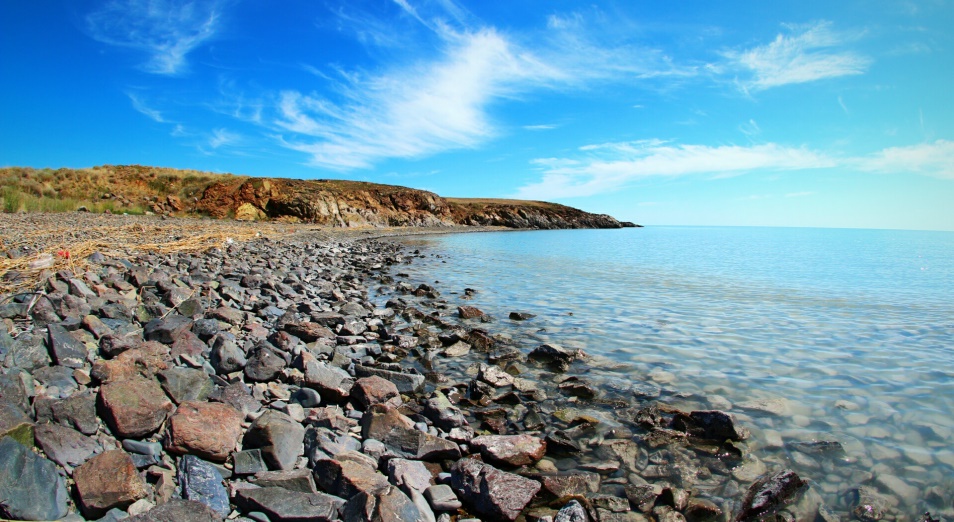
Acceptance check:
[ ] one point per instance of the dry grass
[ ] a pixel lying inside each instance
(68, 246)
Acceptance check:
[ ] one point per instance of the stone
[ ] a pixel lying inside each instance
(145, 360)
(205, 329)
(409, 475)
(309, 332)
(469, 312)
(554, 356)
(58, 377)
(106, 481)
(226, 356)
(458, 349)
(281, 504)
(202, 482)
(573, 511)
(238, 396)
(331, 382)
(346, 477)
(248, 462)
(188, 343)
(263, 366)
(510, 450)
(407, 383)
(209, 430)
(702, 510)
(867, 504)
(718, 425)
(396, 431)
(185, 384)
(387, 505)
(77, 412)
(293, 480)
(443, 413)
(494, 376)
(769, 493)
(491, 492)
(134, 408)
(96, 326)
(442, 498)
(112, 344)
(166, 330)
(64, 348)
(15, 423)
(368, 391)
(521, 316)
(306, 397)
(65, 446)
(30, 487)
(279, 437)
(178, 510)
(578, 483)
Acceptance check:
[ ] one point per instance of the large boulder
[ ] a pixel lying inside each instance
(280, 438)
(134, 408)
(491, 492)
(209, 430)
(108, 480)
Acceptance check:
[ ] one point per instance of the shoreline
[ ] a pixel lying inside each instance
(417, 394)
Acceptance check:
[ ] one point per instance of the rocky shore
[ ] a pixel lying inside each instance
(303, 377)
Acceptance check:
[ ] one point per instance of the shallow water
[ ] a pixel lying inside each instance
(848, 334)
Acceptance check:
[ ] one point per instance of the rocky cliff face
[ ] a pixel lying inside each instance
(354, 204)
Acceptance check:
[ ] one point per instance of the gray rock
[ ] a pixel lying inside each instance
(205, 329)
(408, 383)
(238, 396)
(78, 412)
(292, 480)
(202, 482)
(554, 356)
(30, 487)
(58, 377)
(443, 413)
(166, 330)
(139, 447)
(65, 446)
(263, 365)
(283, 505)
(185, 384)
(867, 504)
(442, 498)
(409, 475)
(27, 353)
(278, 436)
(178, 510)
(306, 397)
(248, 462)
(331, 382)
(491, 492)
(64, 348)
(226, 356)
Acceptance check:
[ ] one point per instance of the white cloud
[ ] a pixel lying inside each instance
(141, 107)
(223, 138)
(540, 127)
(167, 30)
(808, 53)
(610, 166)
(930, 159)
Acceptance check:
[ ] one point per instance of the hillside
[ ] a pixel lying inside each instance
(138, 189)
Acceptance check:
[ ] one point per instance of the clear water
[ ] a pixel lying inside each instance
(850, 333)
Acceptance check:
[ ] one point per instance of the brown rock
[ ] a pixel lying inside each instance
(469, 312)
(146, 360)
(512, 450)
(347, 477)
(108, 480)
(208, 430)
(309, 332)
(491, 492)
(134, 408)
(368, 391)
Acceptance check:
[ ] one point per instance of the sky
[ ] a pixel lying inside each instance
(790, 113)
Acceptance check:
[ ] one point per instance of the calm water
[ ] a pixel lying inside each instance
(847, 335)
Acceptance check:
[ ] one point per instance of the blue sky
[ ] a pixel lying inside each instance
(807, 113)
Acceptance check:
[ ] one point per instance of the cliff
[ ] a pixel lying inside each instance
(333, 202)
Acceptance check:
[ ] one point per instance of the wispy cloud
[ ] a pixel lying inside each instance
(805, 53)
(223, 138)
(140, 106)
(166, 30)
(610, 166)
(930, 159)
(540, 127)
(442, 101)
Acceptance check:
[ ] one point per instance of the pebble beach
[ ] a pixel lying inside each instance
(188, 369)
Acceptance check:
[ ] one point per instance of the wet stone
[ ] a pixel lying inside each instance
(769, 493)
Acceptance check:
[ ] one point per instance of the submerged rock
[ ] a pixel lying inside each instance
(769, 493)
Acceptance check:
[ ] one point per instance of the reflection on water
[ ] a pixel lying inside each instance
(848, 334)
